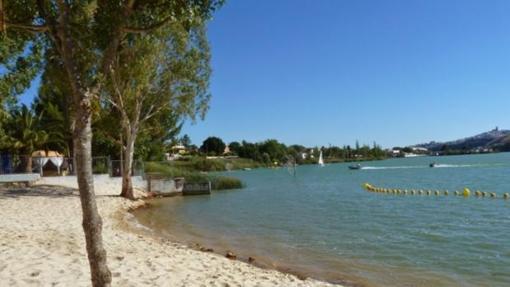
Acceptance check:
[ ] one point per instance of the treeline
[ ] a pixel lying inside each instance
(46, 125)
(273, 152)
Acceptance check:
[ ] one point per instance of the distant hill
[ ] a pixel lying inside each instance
(496, 139)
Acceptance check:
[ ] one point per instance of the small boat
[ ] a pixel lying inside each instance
(321, 160)
(432, 164)
(356, 166)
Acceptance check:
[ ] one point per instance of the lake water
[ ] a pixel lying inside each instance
(323, 224)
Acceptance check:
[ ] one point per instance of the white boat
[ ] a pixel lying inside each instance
(321, 161)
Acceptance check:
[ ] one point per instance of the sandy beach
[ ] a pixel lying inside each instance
(42, 244)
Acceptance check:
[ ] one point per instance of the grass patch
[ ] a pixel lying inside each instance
(178, 169)
(225, 182)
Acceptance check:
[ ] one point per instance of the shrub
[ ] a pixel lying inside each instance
(169, 170)
(225, 182)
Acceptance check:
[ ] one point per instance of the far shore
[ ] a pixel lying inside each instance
(42, 244)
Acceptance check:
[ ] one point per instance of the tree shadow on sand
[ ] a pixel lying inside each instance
(53, 191)
(39, 190)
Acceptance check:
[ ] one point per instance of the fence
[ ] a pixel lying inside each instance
(56, 166)
(115, 168)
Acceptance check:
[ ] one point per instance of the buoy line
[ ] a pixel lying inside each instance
(466, 192)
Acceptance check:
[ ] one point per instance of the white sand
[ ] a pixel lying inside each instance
(42, 244)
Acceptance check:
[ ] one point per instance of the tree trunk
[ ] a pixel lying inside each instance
(27, 163)
(127, 183)
(60, 35)
(92, 223)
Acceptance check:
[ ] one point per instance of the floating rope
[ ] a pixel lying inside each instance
(465, 193)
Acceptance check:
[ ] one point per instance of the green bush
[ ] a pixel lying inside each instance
(183, 170)
(225, 182)
(100, 168)
(204, 164)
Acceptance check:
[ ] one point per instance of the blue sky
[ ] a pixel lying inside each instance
(333, 72)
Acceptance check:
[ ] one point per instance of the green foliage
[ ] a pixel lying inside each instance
(196, 163)
(187, 171)
(153, 139)
(225, 182)
(159, 47)
(234, 147)
(23, 135)
(100, 167)
(172, 171)
(19, 64)
(203, 164)
(54, 106)
(185, 141)
(271, 151)
(213, 146)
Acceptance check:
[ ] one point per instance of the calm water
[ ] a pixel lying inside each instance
(322, 223)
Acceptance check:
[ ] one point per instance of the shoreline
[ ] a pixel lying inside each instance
(252, 258)
(42, 243)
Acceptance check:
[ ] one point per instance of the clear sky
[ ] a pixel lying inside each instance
(332, 72)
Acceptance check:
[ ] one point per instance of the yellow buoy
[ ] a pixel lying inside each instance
(466, 192)
(446, 192)
(437, 192)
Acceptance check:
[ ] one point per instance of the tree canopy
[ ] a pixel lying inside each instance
(213, 146)
(85, 38)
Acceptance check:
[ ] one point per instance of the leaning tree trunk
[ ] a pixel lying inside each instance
(92, 223)
(127, 183)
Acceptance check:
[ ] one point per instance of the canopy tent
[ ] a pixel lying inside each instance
(42, 157)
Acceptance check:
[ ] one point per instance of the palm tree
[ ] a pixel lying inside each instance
(23, 135)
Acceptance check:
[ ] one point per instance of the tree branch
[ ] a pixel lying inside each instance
(111, 51)
(148, 28)
(120, 104)
(29, 28)
(152, 112)
(3, 26)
